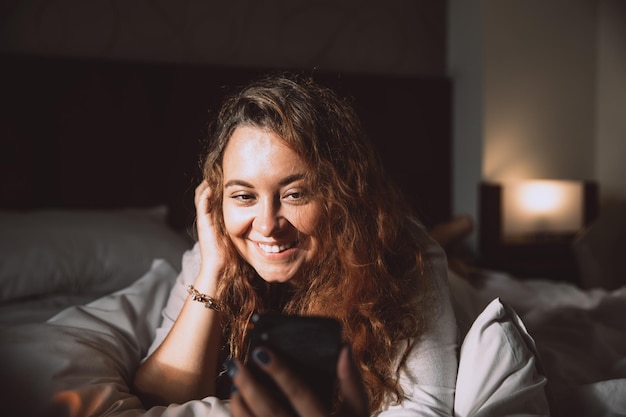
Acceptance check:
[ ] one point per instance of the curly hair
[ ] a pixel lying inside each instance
(372, 273)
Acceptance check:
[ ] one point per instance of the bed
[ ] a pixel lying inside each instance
(99, 161)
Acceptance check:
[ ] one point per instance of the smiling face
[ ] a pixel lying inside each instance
(269, 210)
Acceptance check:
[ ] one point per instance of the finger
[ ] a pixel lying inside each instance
(238, 407)
(351, 389)
(252, 395)
(301, 396)
(213, 259)
(201, 195)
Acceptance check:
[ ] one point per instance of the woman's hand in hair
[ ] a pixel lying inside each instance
(213, 260)
(251, 399)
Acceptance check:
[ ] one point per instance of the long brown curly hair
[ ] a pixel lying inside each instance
(372, 274)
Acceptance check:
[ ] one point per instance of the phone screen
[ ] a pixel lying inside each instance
(309, 344)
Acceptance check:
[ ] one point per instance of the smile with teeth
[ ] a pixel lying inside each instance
(276, 248)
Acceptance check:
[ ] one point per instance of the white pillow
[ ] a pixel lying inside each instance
(499, 368)
(82, 251)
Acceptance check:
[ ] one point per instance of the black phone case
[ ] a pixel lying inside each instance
(309, 344)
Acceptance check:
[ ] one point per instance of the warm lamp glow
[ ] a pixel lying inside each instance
(541, 208)
(539, 197)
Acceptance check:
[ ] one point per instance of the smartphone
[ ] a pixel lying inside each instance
(309, 344)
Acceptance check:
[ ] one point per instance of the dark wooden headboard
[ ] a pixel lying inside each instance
(78, 133)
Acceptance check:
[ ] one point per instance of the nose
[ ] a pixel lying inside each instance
(268, 218)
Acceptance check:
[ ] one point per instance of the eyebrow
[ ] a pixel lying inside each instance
(285, 181)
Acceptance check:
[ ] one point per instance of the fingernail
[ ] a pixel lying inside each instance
(231, 367)
(261, 356)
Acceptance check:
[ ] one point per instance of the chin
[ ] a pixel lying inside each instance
(275, 278)
(277, 275)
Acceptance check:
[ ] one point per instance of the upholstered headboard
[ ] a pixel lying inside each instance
(107, 134)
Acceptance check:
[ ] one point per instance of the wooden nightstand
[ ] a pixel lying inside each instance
(555, 261)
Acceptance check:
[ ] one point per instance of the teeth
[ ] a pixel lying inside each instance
(275, 248)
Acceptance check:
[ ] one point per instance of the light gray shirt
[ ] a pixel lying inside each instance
(429, 376)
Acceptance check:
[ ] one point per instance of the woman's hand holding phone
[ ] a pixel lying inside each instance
(252, 399)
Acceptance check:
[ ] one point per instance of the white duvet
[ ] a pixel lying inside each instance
(81, 362)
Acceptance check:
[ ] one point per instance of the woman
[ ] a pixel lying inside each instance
(296, 215)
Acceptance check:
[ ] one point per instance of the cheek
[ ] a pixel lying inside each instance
(309, 220)
(234, 221)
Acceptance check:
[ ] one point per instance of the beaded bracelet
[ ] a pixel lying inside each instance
(209, 302)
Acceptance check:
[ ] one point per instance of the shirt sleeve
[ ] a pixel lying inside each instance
(428, 378)
(190, 268)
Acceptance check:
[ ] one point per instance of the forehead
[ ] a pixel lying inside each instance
(253, 151)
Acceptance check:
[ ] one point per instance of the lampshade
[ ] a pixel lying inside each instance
(541, 209)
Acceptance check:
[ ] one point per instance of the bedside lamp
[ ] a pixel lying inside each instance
(528, 226)
(540, 210)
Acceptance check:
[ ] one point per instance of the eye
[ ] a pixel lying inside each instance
(242, 197)
(296, 196)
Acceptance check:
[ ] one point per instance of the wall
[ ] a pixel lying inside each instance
(539, 97)
(549, 89)
(465, 66)
(541, 82)
(610, 152)
(395, 36)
